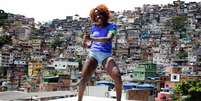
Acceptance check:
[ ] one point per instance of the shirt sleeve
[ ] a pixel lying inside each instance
(92, 29)
(113, 29)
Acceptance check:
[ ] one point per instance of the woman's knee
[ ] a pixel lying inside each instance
(116, 73)
(84, 80)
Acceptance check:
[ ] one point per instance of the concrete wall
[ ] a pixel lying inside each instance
(98, 91)
(140, 94)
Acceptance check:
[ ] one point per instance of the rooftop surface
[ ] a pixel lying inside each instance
(88, 98)
(18, 95)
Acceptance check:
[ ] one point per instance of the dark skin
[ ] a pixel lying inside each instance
(90, 66)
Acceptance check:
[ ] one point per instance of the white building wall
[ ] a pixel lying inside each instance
(68, 67)
(160, 59)
(191, 57)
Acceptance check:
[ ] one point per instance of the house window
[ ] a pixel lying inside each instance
(74, 80)
(174, 77)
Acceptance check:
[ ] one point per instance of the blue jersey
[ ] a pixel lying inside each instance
(105, 47)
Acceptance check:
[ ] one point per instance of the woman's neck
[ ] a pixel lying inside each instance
(102, 25)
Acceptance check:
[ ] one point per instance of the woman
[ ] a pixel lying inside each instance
(100, 50)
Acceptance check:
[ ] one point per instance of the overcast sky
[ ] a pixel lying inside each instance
(44, 10)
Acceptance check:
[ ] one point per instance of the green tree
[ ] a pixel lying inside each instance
(183, 88)
(57, 42)
(4, 22)
(16, 24)
(3, 17)
(192, 89)
(177, 23)
(113, 19)
(182, 54)
(5, 39)
(2, 70)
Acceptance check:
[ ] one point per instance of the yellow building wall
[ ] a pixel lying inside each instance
(34, 68)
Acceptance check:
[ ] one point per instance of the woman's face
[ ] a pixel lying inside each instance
(100, 19)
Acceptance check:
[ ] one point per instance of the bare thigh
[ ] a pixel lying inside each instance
(111, 67)
(89, 67)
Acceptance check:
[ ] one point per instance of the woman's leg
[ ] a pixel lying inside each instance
(87, 71)
(114, 72)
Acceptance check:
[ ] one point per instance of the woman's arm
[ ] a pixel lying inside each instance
(103, 39)
(86, 38)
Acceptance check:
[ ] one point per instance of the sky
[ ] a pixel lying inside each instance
(46, 10)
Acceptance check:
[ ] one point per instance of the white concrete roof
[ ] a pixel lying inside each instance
(17, 95)
(88, 98)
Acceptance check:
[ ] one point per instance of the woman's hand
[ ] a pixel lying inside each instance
(86, 36)
(86, 39)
